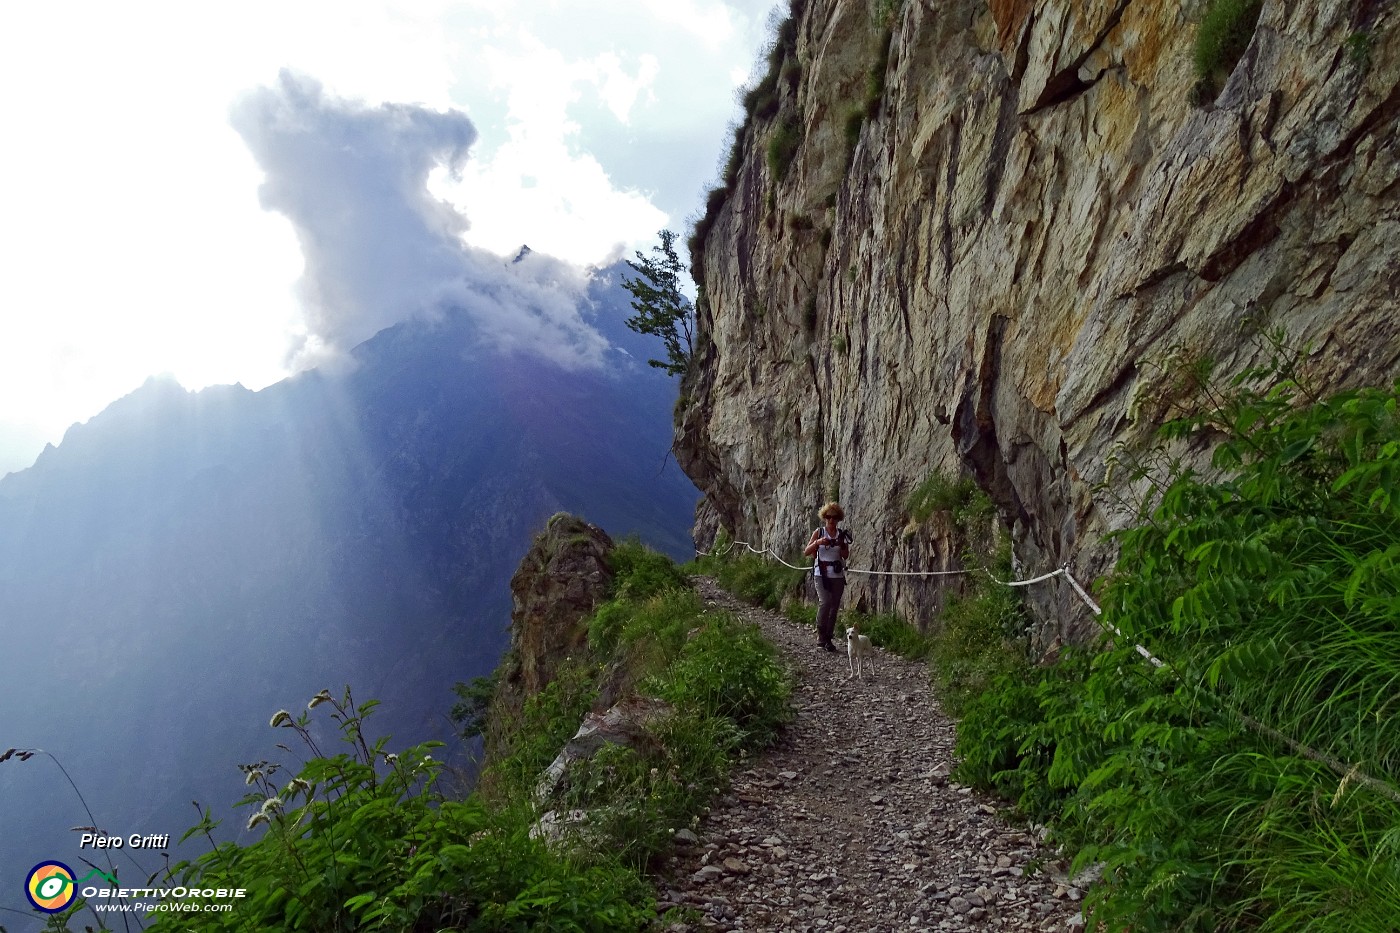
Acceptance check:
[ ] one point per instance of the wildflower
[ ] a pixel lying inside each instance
(256, 818)
(298, 786)
(390, 757)
(271, 804)
(281, 718)
(253, 776)
(323, 697)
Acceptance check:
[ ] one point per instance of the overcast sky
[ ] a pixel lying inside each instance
(228, 192)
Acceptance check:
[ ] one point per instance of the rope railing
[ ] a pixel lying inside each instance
(1349, 773)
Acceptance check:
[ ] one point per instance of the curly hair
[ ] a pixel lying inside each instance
(832, 510)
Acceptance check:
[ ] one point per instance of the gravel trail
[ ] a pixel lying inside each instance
(850, 823)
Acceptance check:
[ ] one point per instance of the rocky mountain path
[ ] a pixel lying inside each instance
(851, 823)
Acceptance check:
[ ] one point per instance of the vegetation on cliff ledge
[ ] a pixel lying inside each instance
(1250, 778)
(367, 839)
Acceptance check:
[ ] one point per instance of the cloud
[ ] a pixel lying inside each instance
(379, 248)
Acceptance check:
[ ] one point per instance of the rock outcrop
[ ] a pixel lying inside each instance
(1041, 222)
(560, 581)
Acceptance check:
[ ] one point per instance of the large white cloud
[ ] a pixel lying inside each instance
(379, 247)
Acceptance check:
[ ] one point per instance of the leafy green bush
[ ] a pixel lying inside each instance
(636, 801)
(1224, 33)
(642, 638)
(1359, 46)
(982, 632)
(1006, 737)
(728, 671)
(360, 841)
(1253, 781)
(473, 704)
(875, 77)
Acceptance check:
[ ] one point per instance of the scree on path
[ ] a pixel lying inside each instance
(851, 823)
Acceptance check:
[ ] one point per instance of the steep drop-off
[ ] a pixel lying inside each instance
(996, 246)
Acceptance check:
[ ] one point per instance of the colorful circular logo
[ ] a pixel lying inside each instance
(50, 887)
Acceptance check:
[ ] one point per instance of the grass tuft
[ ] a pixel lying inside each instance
(1222, 37)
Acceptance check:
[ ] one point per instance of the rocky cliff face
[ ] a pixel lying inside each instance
(1041, 219)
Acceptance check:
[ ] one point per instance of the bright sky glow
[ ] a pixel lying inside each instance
(134, 241)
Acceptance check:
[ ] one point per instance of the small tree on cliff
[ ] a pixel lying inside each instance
(662, 310)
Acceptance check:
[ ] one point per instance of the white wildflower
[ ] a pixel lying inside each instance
(323, 697)
(253, 776)
(256, 818)
(281, 718)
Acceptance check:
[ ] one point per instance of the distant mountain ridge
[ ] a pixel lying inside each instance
(186, 563)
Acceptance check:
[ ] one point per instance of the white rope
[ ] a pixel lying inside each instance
(1040, 579)
(1063, 571)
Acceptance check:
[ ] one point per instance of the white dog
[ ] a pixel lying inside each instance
(859, 652)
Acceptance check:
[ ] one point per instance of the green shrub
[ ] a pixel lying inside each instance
(642, 637)
(636, 800)
(1007, 738)
(549, 719)
(755, 578)
(640, 573)
(728, 671)
(1359, 46)
(892, 633)
(473, 705)
(1224, 33)
(939, 493)
(875, 77)
(360, 840)
(782, 146)
(800, 222)
(1252, 782)
(982, 633)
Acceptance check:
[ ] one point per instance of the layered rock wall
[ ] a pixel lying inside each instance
(1005, 271)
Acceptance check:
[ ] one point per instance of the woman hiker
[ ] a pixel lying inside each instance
(830, 546)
